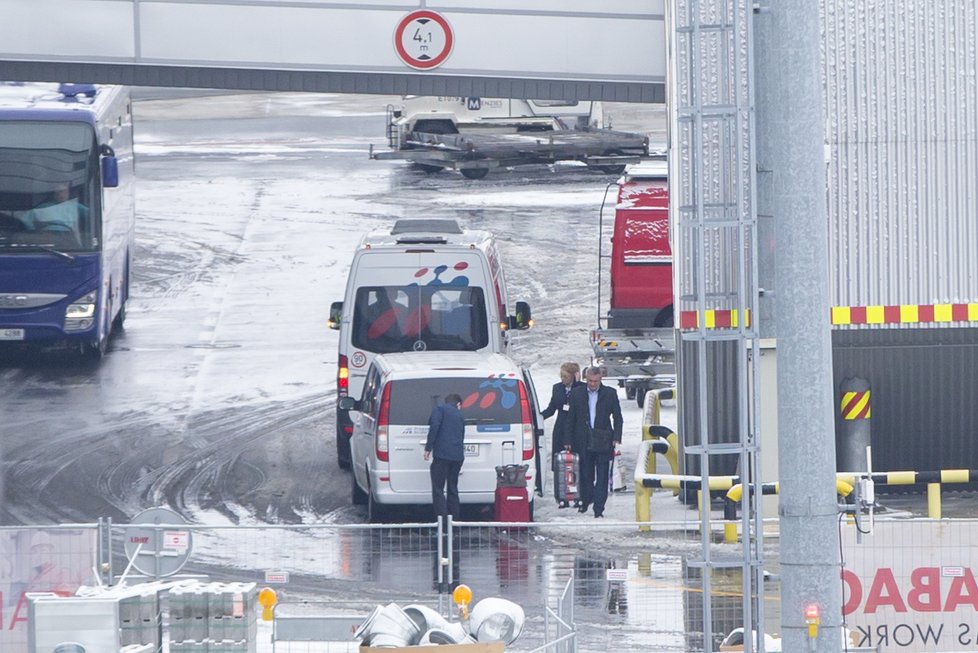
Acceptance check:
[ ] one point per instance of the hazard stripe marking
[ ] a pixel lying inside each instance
(855, 405)
(847, 315)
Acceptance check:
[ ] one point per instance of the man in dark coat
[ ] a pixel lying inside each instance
(560, 405)
(595, 417)
(446, 435)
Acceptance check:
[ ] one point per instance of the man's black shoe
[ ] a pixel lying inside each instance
(584, 507)
(562, 504)
(598, 514)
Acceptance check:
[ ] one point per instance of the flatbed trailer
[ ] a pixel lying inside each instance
(639, 360)
(477, 152)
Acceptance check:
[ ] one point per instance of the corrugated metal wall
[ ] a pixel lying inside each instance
(923, 385)
(901, 108)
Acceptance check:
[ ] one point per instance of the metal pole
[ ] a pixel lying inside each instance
(791, 149)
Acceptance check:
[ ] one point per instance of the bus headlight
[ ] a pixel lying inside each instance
(80, 314)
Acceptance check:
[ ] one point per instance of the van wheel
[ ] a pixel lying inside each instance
(358, 496)
(474, 173)
(343, 455)
(376, 513)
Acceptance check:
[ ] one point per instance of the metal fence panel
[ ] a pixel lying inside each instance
(54, 559)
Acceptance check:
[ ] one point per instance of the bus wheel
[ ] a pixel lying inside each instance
(119, 323)
(474, 173)
(93, 351)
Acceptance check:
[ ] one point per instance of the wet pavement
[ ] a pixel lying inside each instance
(217, 399)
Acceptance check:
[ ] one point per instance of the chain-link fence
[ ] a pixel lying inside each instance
(908, 585)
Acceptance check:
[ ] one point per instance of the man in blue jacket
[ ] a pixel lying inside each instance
(446, 434)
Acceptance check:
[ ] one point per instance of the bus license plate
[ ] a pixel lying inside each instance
(15, 334)
(471, 450)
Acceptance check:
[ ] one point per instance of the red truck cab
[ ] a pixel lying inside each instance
(641, 259)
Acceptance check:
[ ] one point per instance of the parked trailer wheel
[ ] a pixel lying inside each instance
(474, 173)
(428, 169)
(640, 396)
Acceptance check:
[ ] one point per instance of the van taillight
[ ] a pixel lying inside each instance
(527, 420)
(342, 376)
(383, 421)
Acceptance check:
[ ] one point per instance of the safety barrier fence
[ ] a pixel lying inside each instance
(906, 583)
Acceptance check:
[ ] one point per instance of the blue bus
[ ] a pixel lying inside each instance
(67, 214)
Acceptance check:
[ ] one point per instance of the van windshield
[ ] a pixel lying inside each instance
(485, 401)
(390, 319)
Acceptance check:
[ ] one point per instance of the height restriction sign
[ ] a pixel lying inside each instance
(423, 39)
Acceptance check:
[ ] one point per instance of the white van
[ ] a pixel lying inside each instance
(426, 285)
(390, 426)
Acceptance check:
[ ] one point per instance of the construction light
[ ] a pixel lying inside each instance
(267, 598)
(812, 618)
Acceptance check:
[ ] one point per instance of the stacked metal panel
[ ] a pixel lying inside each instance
(213, 618)
(140, 617)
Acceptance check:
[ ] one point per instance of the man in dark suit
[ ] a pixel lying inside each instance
(560, 406)
(446, 436)
(595, 420)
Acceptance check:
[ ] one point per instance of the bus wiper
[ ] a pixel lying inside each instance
(43, 248)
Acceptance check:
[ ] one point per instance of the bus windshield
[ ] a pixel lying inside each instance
(410, 318)
(48, 186)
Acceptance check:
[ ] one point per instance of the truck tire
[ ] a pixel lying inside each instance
(474, 173)
(629, 392)
(611, 170)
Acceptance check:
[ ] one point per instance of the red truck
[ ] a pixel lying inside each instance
(634, 341)
(641, 259)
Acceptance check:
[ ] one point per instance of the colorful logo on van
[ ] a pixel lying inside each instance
(502, 388)
(461, 280)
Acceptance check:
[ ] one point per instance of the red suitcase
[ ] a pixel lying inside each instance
(567, 469)
(512, 504)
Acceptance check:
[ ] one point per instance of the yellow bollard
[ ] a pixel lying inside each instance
(730, 532)
(643, 506)
(934, 500)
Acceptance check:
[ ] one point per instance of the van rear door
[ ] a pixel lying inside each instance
(493, 430)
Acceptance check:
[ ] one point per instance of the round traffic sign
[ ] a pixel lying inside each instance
(423, 39)
(159, 547)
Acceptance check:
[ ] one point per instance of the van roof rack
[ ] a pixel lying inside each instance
(425, 225)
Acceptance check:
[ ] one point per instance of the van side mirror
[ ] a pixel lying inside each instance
(110, 167)
(335, 315)
(523, 319)
(349, 403)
